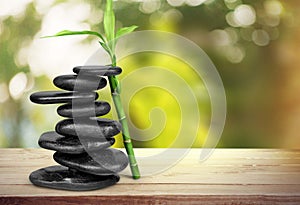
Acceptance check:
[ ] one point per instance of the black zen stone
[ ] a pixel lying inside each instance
(52, 97)
(98, 70)
(84, 127)
(94, 109)
(79, 83)
(72, 145)
(82, 142)
(103, 162)
(59, 177)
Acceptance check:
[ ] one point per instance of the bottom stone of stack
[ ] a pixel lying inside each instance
(60, 177)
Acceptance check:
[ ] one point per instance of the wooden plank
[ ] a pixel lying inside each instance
(229, 176)
(207, 175)
(221, 168)
(158, 189)
(157, 200)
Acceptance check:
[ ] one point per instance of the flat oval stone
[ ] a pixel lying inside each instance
(53, 97)
(70, 110)
(72, 145)
(98, 70)
(102, 162)
(85, 127)
(80, 83)
(60, 177)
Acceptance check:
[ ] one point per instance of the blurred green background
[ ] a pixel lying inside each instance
(255, 45)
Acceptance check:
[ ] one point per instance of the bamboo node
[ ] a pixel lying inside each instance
(122, 118)
(115, 93)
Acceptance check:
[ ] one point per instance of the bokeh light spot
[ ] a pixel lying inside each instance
(194, 2)
(43, 6)
(12, 8)
(244, 15)
(272, 20)
(175, 2)
(230, 19)
(260, 37)
(150, 6)
(220, 37)
(235, 54)
(17, 85)
(172, 15)
(273, 7)
(233, 35)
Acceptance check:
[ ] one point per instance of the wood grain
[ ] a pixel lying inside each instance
(229, 176)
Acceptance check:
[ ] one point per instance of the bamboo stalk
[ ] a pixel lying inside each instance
(115, 92)
(109, 28)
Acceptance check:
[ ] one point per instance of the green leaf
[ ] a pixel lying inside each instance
(105, 47)
(109, 21)
(125, 30)
(68, 33)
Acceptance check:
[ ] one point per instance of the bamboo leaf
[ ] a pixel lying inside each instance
(105, 47)
(109, 21)
(125, 30)
(68, 33)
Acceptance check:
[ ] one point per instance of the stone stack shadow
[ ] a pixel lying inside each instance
(82, 141)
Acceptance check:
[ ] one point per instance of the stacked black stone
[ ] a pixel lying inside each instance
(82, 141)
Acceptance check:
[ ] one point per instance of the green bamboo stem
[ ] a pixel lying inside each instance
(115, 92)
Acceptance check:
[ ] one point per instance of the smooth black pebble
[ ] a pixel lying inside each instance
(79, 83)
(103, 162)
(97, 108)
(84, 127)
(63, 178)
(73, 145)
(98, 70)
(52, 97)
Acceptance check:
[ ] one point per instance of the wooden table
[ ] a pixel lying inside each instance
(229, 176)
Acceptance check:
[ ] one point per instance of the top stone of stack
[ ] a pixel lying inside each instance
(98, 70)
